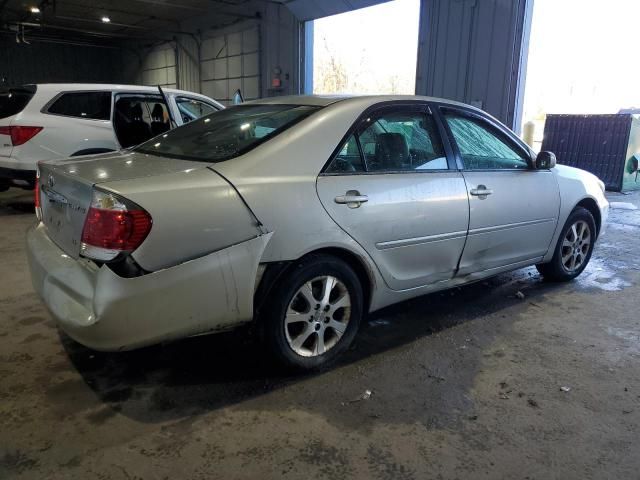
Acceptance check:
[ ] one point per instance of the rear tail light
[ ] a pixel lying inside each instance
(113, 226)
(36, 195)
(19, 134)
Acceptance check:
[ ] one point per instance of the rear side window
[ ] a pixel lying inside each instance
(14, 100)
(92, 105)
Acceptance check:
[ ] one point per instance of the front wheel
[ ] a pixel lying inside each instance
(574, 248)
(313, 314)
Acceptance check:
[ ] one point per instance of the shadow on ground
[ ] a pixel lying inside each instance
(197, 375)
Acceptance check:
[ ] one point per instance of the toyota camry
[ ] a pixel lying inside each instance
(303, 215)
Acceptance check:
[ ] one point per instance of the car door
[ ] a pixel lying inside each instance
(389, 186)
(513, 207)
(138, 117)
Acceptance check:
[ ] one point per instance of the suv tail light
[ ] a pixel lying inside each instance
(113, 226)
(19, 134)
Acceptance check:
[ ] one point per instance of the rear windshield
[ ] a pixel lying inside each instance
(14, 100)
(228, 133)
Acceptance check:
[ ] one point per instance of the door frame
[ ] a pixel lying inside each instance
(506, 134)
(419, 105)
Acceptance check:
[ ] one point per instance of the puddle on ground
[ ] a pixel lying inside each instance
(622, 206)
(600, 275)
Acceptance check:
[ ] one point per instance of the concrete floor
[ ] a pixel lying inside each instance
(466, 384)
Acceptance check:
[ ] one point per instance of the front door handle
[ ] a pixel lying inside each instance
(481, 192)
(352, 199)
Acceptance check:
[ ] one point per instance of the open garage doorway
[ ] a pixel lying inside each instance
(367, 51)
(581, 60)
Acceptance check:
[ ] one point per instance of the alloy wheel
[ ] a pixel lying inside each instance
(317, 316)
(575, 246)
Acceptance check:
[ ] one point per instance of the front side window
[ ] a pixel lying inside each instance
(394, 141)
(92, 105)
(481, 148)
(227, 133)
(192, 109)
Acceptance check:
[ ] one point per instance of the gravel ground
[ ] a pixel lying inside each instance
(470, 383)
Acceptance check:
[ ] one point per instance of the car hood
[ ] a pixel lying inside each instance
(124, 165)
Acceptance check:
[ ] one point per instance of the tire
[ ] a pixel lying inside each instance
(324, 329)
(574, 248)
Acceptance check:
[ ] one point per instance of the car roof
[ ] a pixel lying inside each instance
(326, 100)
(63, 87)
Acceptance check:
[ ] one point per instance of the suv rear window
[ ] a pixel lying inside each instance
(14, 100)
(227, 133)
(93, 105)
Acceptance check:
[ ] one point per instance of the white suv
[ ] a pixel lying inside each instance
(49, 121)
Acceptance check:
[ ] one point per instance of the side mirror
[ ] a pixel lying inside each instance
(545, 160)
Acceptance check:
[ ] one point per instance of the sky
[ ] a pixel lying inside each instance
(584, 55)
(378, 44)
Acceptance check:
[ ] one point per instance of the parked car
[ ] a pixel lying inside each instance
(49, 121)
(302, 214)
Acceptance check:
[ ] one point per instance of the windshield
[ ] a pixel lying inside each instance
(228, 133)
(13, 100)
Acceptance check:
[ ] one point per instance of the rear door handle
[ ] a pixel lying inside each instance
(481, 192)
(352, 199)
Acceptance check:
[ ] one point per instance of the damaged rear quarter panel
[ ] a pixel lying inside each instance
(211, 293)
(195, 212)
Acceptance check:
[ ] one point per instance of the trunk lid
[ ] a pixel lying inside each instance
(66, 188)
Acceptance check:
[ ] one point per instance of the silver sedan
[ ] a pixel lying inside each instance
(302, 214)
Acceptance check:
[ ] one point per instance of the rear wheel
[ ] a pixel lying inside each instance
(574, 248)
(313, 314)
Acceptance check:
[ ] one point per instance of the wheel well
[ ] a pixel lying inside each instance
(275, 270)
(591, 205)
(358, 266)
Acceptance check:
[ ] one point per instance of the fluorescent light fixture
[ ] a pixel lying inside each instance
(105, 19)
(244, 126)
(34, 9)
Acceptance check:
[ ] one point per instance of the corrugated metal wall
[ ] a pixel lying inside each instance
(248, 56)
(231, 61)
(188, 71)
(158, 66)
(282, 35)
(475, 51)
(42, 62)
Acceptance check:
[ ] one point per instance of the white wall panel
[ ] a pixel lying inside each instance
(159, 66)
(231, 60)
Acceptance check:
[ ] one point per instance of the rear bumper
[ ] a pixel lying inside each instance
(18, 177)
(103, 311)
